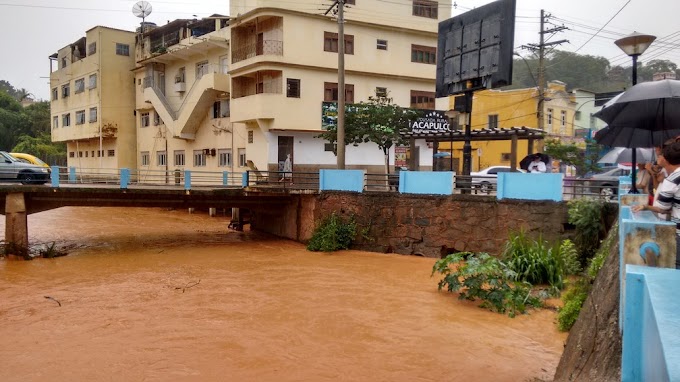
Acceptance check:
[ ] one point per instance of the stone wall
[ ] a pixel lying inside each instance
(424, 225)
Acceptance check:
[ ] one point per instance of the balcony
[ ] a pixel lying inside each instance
(261, 48)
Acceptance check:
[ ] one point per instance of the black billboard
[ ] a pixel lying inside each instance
(475, 49)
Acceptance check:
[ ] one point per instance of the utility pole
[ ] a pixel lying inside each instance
(540, 47)
(341, 82)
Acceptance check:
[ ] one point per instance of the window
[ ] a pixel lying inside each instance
(422, 100)
(145, 119)
(55, 94)
(80, 154)
(179, 157)
(55, 122)
(425, 8)
(201, 69)
(145, 158)
(80, 117)
(381, 92)
(71, 154)
(216, 109)
(63, 62)
(161, 158)
(563, 121)
(156, 119)
(242, 157)
(66, 120)
(199, 158)
(111, 153)
(92, 81)
(423, 54)
(224, 157)
(65, 90)
(550, 117)
(330, 42)
(330, 93)
(122, 49)
(181, 73)
(350, 2)
(381, 44)
(250, 136)
(493, 121)
(330, 147)
(225, 108)
(293, 88)
(577, 115)
(93, 114)
(91, 48)
(80, 85)
(505, 157)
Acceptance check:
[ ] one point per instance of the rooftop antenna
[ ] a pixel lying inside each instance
(142, 9)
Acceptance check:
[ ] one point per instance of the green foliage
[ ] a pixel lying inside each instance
(570, 154)
(573, 301)
(587, 216)
(378, 121)
(483, 277)
(570, 258)
(535, 261)
(597, 261)
(333, 234)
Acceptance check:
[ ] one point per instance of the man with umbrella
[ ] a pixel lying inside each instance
(669, 192)
(536, 165)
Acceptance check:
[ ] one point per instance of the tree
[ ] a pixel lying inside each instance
(572, 155)
(378, 121)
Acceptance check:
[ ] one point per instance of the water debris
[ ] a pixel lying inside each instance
(53, 299)
(189, 285)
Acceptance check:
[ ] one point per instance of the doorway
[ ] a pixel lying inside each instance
(285, 154)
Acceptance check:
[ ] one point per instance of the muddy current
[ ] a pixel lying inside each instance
(164, 295)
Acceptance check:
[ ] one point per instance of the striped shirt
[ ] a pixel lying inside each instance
(669, 196)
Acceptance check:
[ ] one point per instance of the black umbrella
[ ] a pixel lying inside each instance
(646, 115)
(524, 163)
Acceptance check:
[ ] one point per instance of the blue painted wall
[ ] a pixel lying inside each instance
(651, 344)
(341, 180)
(518, 185)
(426, 182)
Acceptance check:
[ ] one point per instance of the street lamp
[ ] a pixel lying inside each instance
(634, 45)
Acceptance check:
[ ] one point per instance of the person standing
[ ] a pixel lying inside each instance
(536, 165)
(668, 200)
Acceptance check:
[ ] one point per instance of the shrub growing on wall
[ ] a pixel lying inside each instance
(333, 234)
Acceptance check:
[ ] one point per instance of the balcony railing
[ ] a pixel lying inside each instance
(266, 47)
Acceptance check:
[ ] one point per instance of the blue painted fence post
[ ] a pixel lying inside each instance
(187, 179)
(244, 179)
(225, 178)
(71, 174)
(124, 178)
(54, 176)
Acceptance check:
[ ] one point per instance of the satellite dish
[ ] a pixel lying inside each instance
(141, 9)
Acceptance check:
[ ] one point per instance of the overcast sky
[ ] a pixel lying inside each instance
(34, 29)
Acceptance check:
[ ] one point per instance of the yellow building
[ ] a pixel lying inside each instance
(92, 100)
(514, 108)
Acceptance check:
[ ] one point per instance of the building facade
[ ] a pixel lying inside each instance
(92, 99)
(513, 108)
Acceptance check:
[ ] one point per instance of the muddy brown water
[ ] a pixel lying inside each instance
(158, 295)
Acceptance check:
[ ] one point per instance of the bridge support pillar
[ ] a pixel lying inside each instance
(16, 225)
(212, 212)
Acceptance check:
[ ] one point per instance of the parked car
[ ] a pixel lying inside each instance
(606, 181)
(11, 169)
(28, 158)
(486, 180)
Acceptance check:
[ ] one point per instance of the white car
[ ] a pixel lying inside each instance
(486, 180)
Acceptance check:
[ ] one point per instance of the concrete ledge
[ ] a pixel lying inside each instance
(651, 345)
(518, 185)
(426, 182)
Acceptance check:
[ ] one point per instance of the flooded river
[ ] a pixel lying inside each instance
(157, 295)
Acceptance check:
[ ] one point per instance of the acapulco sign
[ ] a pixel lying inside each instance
(432, 122)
